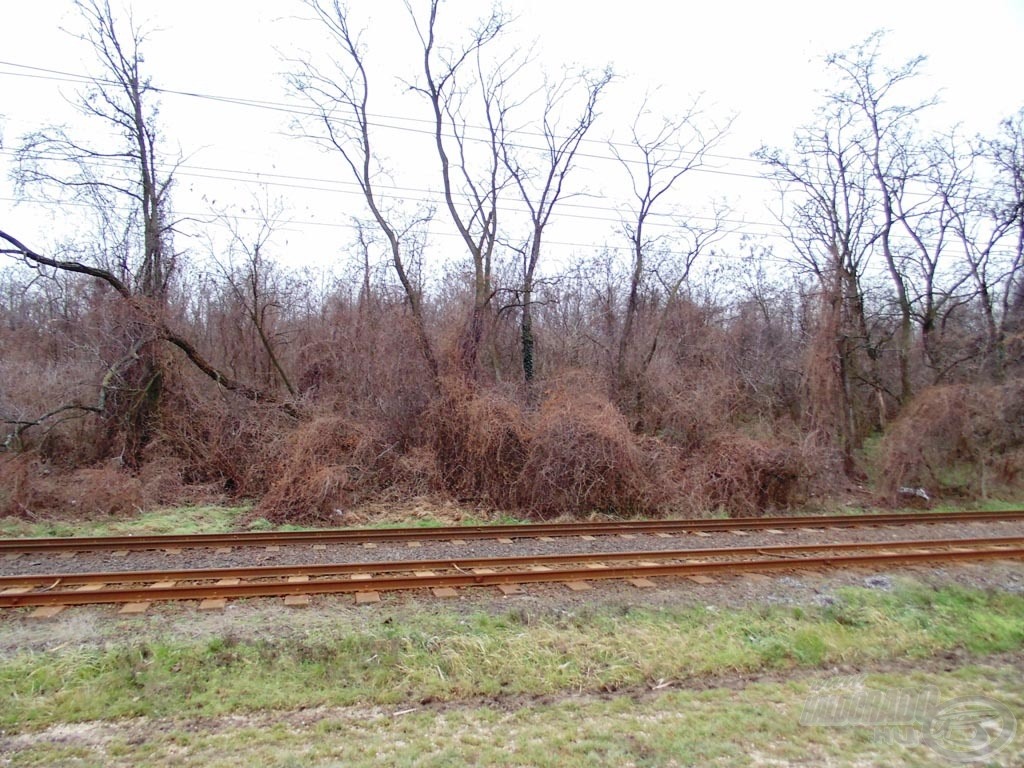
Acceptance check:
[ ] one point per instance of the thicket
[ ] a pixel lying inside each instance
(673, 373)
(722, 421)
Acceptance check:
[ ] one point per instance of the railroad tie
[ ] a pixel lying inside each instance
(46, 611)
(578, 586)
(641, 583)
(297, 601)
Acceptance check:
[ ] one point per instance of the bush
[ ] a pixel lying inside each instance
(957, 440)
(326, 465)
(30, 488)
(478, 439)
(582, 457)
(748, 476)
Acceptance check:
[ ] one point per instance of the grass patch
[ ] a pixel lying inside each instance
(173, 520)
(1008, 503)
(203, 519)
(431, 655)
(757, 724)
(218, 519)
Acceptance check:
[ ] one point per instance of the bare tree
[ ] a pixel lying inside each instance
(542, 185)
(458, 83)
(254, 284)
(868, 90)
(340, 97)
(156, 322)
(965, 227)
(935, 180)
(133, 253)
(655, 162)
(1005, 275)
(127, 171)
(828, 213)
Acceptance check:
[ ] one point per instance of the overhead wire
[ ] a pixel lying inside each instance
(303, 110)
(425, 195)
(307, 111)
(671, 220)
(287, 223)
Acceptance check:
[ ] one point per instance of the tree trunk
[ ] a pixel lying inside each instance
(526, 335)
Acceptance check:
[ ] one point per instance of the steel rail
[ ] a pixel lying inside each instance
(464, 579)
(362, 535)
(391, 566)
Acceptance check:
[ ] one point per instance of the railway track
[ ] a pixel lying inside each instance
(144, 587)
(15, 546)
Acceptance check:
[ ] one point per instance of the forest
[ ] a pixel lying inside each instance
(875, 353)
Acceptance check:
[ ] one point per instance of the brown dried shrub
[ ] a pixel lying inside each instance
(583, 458)
(478, 439)
(689, 410)
(163, 479)
(220, 443)
(961, 440)
(747, 476)
(20, 496)
(417, 474)
(104, 490)
(30, 488)
(574, 454)
(326, 466)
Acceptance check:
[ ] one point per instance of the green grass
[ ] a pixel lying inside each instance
(756, 724)
(218, 519)
(983, 505)
(202, 519)
(1004, 504)
(432, 655)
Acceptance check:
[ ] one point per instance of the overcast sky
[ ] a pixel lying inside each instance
(758, 62)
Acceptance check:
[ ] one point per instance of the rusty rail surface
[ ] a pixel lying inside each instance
(418, 574)
(362, 535)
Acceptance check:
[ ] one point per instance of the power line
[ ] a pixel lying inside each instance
(300, 109)
(424, 195)
(304, 111)
(286, 226)
(755, 227)
(259, 177)
(331, 224)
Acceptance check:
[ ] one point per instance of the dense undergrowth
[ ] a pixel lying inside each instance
(574, 453)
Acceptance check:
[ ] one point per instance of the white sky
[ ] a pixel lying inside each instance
(759, 61)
